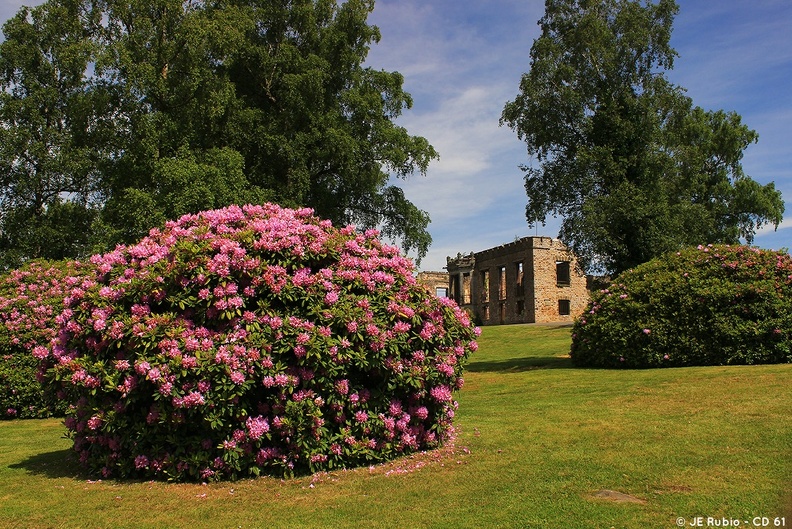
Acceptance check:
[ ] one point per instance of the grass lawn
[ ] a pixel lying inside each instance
(538, 442)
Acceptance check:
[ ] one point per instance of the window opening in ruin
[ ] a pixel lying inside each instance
(520, 307)
(502, 282)
(520, 284)
(502, 313)
(466, 288)
(485, 286)
(441, 292)
(485, 308)
(455, 289)
(564, 308)
(563, 277)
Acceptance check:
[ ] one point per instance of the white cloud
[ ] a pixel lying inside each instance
(786, 224)
(461, 72)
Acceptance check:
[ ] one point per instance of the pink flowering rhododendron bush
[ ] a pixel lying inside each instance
(710, 305)
(30, 300)
(255, 340)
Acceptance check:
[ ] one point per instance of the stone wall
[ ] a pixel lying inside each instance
(530, 280)
(460, 273)
(559, 282)
(437, 282)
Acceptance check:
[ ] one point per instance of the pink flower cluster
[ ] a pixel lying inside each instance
(255, 339)
(31, 298)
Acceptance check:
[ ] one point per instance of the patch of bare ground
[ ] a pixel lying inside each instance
(616, 496)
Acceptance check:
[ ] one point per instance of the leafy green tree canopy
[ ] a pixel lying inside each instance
(48, 159)
(140, 111)
(623, 156)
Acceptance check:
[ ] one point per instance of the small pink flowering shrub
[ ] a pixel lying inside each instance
(710, 305)
(255, 340)
(30, 299)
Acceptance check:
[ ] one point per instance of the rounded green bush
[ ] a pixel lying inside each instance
(30, 300)
(254, 340)
(710, 305)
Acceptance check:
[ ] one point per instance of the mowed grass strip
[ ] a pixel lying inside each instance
(539, 441)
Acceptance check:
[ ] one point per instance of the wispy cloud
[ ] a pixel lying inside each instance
(462, 61)
(738, 56)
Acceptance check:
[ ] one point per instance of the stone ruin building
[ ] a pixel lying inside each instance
(530, 280)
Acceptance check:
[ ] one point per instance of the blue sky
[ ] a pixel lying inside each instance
(462, 61)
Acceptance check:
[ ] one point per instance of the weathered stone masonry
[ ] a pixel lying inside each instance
(531, 280)
(437, 282)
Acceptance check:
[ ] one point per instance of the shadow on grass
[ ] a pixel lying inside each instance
(57, 464)
(516, 365)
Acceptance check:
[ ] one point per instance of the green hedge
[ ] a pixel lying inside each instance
(709, 305)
